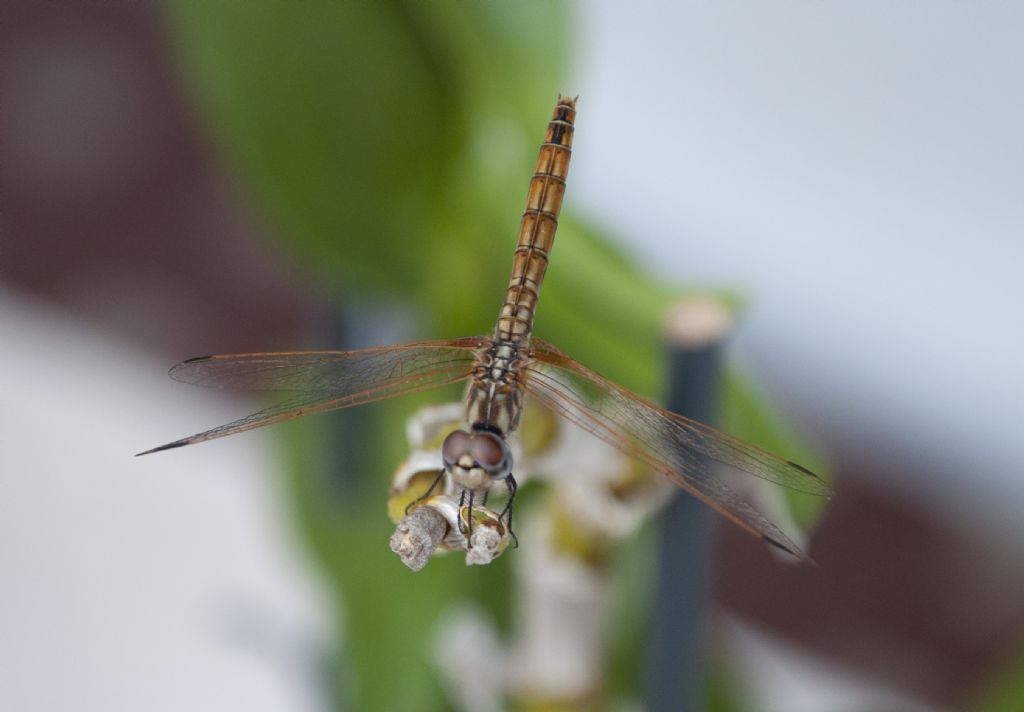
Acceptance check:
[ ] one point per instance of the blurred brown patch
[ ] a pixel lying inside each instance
(896, 594)
(114, 204)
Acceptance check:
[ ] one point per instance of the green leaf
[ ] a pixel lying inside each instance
(1007, 694)
(340, 117)
(357, 126)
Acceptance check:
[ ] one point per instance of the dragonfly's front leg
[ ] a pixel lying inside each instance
(426, 494)
(506, 513)
(466, 528)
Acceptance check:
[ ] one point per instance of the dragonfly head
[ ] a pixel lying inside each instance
(475, 459)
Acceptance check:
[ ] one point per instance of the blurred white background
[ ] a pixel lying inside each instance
(858, 170)
(157, 583)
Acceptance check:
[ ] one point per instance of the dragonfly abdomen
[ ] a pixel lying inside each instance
(537, 227)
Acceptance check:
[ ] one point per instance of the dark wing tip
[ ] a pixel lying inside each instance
(177, 368)
(823, 489)
(789, 549)
(187, 362)
(794, 464)
(168, 446)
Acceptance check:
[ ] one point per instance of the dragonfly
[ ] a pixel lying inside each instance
(502, 370)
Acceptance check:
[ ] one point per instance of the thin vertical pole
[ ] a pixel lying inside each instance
(695, 330)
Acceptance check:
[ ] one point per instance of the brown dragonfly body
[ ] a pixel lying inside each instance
(501, 369)
(494, 394)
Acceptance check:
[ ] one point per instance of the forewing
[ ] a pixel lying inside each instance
(682, 449)
(320, 381)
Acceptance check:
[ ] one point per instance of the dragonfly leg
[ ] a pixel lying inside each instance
(506, 513)
(467, 528)
(427, 494)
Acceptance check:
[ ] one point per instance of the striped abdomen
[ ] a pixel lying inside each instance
(537, 229)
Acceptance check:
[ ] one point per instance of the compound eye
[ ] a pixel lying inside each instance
(455, 446)
(491, 453)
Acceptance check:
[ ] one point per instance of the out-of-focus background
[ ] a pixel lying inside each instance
(216, 177)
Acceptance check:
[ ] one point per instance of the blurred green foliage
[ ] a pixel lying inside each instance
(1007, 692)
(390, 143)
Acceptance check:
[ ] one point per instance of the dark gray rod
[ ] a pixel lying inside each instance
(676, 650)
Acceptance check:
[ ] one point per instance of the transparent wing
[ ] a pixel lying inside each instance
(319, 381)
(680, 448)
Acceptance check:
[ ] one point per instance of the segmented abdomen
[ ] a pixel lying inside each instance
(537, 229)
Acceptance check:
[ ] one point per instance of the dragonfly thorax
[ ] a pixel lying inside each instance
(493, 398)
